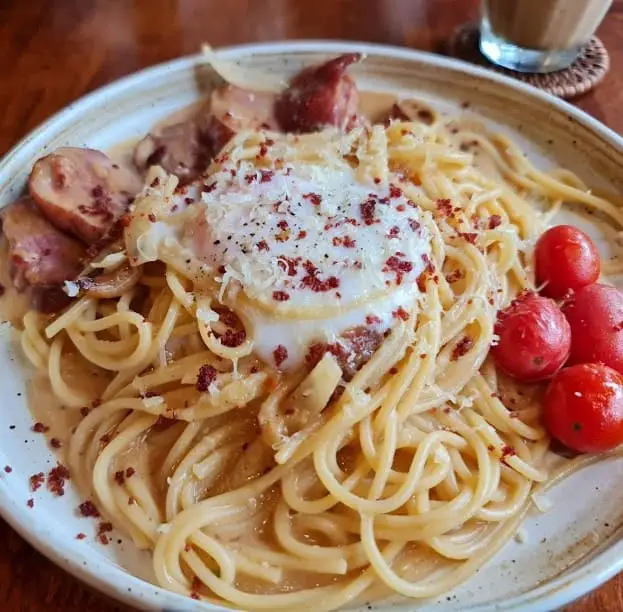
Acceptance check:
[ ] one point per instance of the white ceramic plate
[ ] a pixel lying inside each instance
(568, 551)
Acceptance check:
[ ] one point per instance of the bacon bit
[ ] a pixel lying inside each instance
(88, 509)
(221, 270)
(372, 320)
(120, 477)
(400, 313)
(444, 207)
(314, 198)
(401, 208)
(280, 354)
(262, 245)
(368, 209)
(281, 296)
(231, 338)
(104, 527)
(194, 595)
(209, 188)
(105, 439)
(96, 402)
(40, 427)
(283, 236)
(81, 536)
(311, 281)
(31, 503)
(130, 472)
(490, 448)
(393, 371)
(289, 264)
(56, 479)
(349, 243)
(151, 217)
(283, 225)
(508, 451)
(302, 234)
(154, 183)
(414, 225)
(8, 469)
(394, 192)
(103, 538)
(394, 232)
(55, 443)
(470, 237)
(399, 266)
(36, 480)
(337, 241)
(494, 221)
(266, 176)
(205, 377)
(131, 501)
(455, 275)
(463, 346)
(377, 180)
(263, 150)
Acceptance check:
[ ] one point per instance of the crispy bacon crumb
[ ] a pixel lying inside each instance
(314, 198)
(31, 503)
(36, 480)
(8, 469)
(88, 509)
(280, 354)
(508, 451)
(40, 427)
(55, 443)
(368, 208)
(119, 477)
(401, 313)
(372, 320)
(463, 346)
(494, 221)
(281, 296)
(205, 377)
(56, 479)
(81, 536)
(130, 472)
(233, 338)
(444, 206)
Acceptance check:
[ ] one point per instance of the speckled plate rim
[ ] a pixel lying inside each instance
(113, 580)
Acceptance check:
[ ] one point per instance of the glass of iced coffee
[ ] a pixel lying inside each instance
(538, 35)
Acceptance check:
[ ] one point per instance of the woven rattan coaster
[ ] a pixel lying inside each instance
(587, 71)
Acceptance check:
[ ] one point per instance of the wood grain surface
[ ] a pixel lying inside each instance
(54, 51)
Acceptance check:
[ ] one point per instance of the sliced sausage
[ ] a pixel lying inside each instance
(40, 254)
(82, 191)
(178, 148)
(320, 96)
(232, 109)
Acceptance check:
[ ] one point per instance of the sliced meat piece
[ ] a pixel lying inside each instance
(320, 96)
(82, 191)
(232, 109)
(40, 254)
(178, 148)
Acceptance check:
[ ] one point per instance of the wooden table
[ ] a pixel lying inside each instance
(53, 51)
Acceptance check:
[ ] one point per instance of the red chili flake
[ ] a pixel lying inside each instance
(283, 225)
(494, 221)
(444, 207)
(414, 225)
(8, 469)
(55, 443)
(314, 198)
(372, 320)
(281, 296)
(455, 275)
(394, 192)
(56, 479)
(400, 313)
(463, 346)
(40, 427)
(151, 217)
(81, 536)
(394, 232)
(368, 209)
(120, 477)
(280, 354)
(508, 451)
(36, 480)
(130, 472)
(349, 243)
(302, 234)
(205, 377)
(233, 338)
(31, 503)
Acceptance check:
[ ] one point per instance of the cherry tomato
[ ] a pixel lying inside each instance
(565, 258)
(595, 314)
(534, 338)
(584, 407)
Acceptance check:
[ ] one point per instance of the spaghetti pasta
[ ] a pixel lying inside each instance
(321, 483)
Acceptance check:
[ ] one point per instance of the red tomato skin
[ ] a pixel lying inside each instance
(583, 407)
(565, 259)
(595, 314)
(534, 338)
